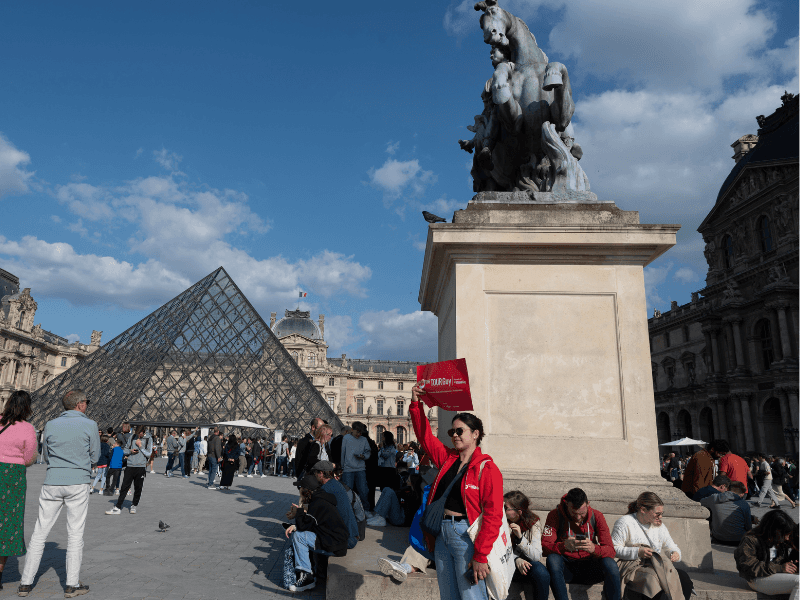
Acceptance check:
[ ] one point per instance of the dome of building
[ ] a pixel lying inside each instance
(297, 322)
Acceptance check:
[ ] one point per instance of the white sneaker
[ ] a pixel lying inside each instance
(376, 521)
(262, 477)
(133, 510)
(249, 475)
(151, 471)
(113, 511)
(393, 569)
(116, 492)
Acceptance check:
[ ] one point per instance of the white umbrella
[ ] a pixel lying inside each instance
(247, 424)
(685, 442)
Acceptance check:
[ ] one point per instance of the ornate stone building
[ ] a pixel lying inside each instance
(725, 364)
(375, 392)
(29, 355)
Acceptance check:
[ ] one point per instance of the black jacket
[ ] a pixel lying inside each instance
(336, 450)
(324, 520)
(301, 455)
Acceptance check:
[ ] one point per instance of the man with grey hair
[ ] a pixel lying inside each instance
(70, 445)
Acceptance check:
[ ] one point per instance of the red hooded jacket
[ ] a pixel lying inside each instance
(482, 494)
(553, 539)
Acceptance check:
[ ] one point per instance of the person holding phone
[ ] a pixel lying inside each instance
(578, 546)
(763, 557)
(138, 451)
(461, 565)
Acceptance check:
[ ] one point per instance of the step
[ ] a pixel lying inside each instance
(357, 577)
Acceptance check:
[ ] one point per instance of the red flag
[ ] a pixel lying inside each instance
(446, 384)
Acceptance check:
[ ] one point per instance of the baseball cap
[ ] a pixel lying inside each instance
(309, 482)
(324, 465)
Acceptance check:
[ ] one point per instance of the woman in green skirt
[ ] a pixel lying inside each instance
(17, 451)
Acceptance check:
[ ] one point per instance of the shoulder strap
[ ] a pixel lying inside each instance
(649, 541)
(4, 428)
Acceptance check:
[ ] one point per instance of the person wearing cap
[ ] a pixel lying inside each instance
(317, 529)
(323, 471)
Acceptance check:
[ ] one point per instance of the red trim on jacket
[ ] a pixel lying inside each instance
(601, 536)
(479, 495)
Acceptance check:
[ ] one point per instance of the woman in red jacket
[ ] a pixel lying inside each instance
(461, 566)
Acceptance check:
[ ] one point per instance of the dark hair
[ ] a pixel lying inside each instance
(721, 479)
(18, 408)
(471, 421)
(110, 430)
(520, 502)
(720, 446)
(104, 438)
(140, 429)
(737, 487)
(388, 438)
(774, 527)
(359, 427)
(648, 500)
(232, 440)
(576, 497)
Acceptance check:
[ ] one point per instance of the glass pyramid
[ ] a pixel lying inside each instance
(205, 356)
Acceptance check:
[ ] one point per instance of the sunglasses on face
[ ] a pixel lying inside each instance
(457, 431)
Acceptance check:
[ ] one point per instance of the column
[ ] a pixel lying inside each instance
(715, 351)
(730, 359)
(737, 341)
(786, 344)
(710, 366)
(724, 432)
(786, 421)
(747, 420)
(775, 329)
(716, 434)
(740, 441)
(791, 394)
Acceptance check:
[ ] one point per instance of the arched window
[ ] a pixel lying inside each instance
(361, 384)
(332, 402)
(764, 337)
(312, 360)
(379, 433)
(764, 234)
(400, 386)
(380, 385)
(400, 405)
(331, 381)
(295, 356)
(727, 245)
(400, 438)
(380, 407)
(21, 319)
(359, 406)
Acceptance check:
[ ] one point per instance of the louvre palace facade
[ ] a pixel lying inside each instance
(29, 355)
(375, 392)
(725, 364)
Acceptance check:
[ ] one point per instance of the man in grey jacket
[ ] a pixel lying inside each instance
(174, 452)
(730, 514)
(70, 445)
(138, 452)
(355, 452)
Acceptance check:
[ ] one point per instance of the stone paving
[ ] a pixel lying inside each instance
(220, 544)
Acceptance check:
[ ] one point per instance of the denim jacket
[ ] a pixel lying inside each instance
(71, 444)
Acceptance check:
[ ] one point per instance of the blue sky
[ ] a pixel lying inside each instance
(144, 145)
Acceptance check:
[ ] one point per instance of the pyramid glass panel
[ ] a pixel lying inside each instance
(205, 356)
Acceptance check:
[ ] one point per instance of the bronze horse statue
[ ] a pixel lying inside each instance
(524, 137)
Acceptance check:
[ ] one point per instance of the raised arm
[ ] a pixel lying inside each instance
(422, 428)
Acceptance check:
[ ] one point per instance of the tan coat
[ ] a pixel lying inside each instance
(651, 577)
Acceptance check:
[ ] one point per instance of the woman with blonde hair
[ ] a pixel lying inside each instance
(640, 536)
(526, 539)
(318, 449)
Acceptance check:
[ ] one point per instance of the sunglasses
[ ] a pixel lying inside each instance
(457, 431)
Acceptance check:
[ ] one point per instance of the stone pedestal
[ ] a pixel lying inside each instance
(546, 302)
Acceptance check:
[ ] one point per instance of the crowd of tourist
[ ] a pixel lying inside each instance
(450, 498)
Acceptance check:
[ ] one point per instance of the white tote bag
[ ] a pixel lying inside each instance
(500, 559)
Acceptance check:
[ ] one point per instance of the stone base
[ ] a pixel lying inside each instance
(531, 197)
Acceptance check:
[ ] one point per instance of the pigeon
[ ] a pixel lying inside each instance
(162, 527)
(432, 218)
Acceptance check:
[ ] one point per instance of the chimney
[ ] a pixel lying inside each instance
(743, 145)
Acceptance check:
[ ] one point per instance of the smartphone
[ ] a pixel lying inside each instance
(286, 525)
(470, 575)
(581, 537)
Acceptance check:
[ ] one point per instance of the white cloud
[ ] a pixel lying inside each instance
(685, 275)
(77, 227)
(339, 333)
(13, 177)
(168, 160)
(417, 242)
(85, 200)
(391, 334)
(653, 278)
(396, 178)
(391, 147)
(73, 337)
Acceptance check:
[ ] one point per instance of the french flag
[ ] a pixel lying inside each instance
(303, 294)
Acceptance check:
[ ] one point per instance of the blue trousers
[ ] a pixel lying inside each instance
(539, 576)
(213, 465)
(282, 466)
(181, 458)
(357, 481)
(303, 543)
(390, 509)
(564, 570)
(453, 555)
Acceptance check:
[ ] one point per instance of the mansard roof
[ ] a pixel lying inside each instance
(361, 365)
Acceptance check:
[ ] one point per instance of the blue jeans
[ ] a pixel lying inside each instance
(539, 576)
(303, 543)
(101, 474)
(564, 570)
(181, 457)
(389, 508)
(453, 555)
(213, 465)
(282, 465)
(357, 481)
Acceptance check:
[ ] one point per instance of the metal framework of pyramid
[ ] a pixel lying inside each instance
(205, 356)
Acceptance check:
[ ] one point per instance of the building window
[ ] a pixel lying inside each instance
(685, 333)
(399, 408)
(332, 402)
(400, 386)
(359, 406)
(727, 245)
(380, 385)
(379, 433)
(655, 377)
(380, 407)
(361, 384)
(331, 381)
(764, 336)
(295, 356)
(312, 360)
(765, 237)
(666, 339)
(400, 438)
(63, 361)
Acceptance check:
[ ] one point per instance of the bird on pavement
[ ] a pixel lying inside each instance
(432, 218)
(162, 526)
